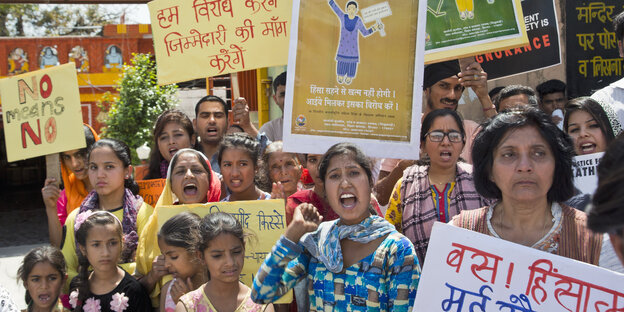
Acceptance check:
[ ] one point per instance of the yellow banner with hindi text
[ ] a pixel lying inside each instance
(205, 38)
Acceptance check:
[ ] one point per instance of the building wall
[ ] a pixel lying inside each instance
(97, 80)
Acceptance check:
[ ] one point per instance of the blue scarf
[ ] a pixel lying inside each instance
(324, 243)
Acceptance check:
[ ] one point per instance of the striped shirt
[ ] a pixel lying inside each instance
(442, 200)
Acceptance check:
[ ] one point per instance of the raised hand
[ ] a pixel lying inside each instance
(306, 218)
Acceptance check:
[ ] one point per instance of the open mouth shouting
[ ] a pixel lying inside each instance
(587, 147)
(190, 189)
(348, 200)
(172, 151)
(446, 155)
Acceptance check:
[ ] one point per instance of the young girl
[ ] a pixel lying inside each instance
(238, 160)
(173, 131)
(222, 248)
(190, 180)
(177, 239)
(592, 126)
(345, 258)
(43, 273)
(108, 287)
(283, 169)
(59, 203)
(114, 191)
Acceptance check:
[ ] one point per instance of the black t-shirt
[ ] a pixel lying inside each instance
(138, 298)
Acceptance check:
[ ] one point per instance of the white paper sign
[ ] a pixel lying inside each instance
(469, 271)
(585, 170)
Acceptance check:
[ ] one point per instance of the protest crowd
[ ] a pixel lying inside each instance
(356, 228)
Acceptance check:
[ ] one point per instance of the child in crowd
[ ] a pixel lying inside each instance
(283, 169)
(238, 160)
(173, 131)
(99, 235)
(43, 272)
(114, 191)
(178, 239)
(190, 180)
(59, 203)
(222, 248)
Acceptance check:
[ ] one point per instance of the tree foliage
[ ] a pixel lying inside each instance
(131, 115)
(53, 20)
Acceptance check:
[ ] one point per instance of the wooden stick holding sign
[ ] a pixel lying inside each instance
(53, 168)
(375, 13)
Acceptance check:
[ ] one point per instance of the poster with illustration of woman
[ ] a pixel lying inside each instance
(355, 74)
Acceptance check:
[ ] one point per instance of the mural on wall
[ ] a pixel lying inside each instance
(113, 59)
(18, 61)
(48, 57)
(80, 57)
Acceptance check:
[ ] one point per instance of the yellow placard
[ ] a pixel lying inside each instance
(480, 47)
(265, 219)
(205, 38)
(150, 190)
(42, 113)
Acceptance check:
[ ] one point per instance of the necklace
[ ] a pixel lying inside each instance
(529, 240)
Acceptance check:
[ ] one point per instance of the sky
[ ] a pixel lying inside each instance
(135, 13)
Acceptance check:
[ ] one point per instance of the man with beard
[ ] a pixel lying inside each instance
(443, 86)
(444, 83)
(210, 125)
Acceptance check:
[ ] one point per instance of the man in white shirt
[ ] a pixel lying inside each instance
(614, 93)
(274, 128)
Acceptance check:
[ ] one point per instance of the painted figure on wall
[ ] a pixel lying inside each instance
(348, 52)
(113, 59)
(18, 61)
(79, 56)
(48, 57)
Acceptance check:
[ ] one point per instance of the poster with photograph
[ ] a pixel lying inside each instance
(355, 74)
(459, 28)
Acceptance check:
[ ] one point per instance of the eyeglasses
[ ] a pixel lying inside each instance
(438, 136)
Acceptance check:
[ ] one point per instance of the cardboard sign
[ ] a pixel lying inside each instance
(585, 171)
(468, 271)
(592, 58)
(265, 219)
(543, 50)
(150, 190)
(348, 82)
(205, 38)
(461, 28)
(42, 113)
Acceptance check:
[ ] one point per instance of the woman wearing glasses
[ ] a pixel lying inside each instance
(436, 189)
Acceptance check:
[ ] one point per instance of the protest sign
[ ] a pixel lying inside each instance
(469, 271)
(150, 190)
(461, 28)
(585, 171)
(592, 58)
(42, 113)
(264, 219)
(543, 50)
(347, 82)
(205, 38)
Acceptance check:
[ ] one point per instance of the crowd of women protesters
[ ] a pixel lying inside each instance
(340, 250)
